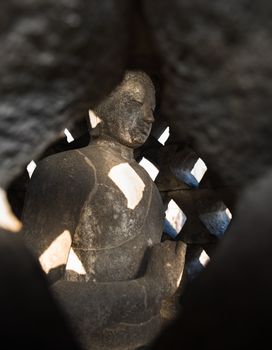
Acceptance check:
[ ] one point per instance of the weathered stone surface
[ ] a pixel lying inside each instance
(57, 58)
(217, 86)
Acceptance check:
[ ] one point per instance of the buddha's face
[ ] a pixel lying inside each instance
(131, 114)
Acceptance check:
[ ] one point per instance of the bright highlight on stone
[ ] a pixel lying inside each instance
(94, 119)
(74, 263)
(30, 168)
(69, 136)
(57, 253)
(129, 182)
(175, 216)
(199, 170)
(150, 168)
(204, 258)
(8, 220)
(164, 136)
(229, 215)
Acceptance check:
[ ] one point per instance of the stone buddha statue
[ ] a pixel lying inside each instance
(94, 219)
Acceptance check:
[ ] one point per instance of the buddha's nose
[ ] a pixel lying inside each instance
(148, 117)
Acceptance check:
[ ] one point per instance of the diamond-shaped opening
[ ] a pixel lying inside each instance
(174, 219)
(228, 213)
(204, 258)
(164, 136)
(69, 136)
(199, 170)
(217, 221)
(30, 168)
(150, 168)
(187, 167)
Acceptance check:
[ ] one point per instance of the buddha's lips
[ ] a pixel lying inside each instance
(145, 129)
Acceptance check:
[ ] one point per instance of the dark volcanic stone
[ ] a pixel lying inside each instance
(99, 203)
(218, 91)
(57, 58)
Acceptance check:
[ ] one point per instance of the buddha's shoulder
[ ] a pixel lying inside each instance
(68, 163)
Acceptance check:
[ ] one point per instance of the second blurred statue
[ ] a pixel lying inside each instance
(94, 218)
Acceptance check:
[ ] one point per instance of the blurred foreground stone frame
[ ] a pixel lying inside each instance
(30, 317)
(94, 218)
(216, 68)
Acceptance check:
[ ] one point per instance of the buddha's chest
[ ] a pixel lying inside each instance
(121, 218)
(124, 204)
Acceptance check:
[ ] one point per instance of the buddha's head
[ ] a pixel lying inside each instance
(127, 113)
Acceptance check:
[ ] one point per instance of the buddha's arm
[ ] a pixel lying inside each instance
(93, 305)
(56, 194)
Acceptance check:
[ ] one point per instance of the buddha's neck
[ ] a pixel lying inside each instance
(114, 146)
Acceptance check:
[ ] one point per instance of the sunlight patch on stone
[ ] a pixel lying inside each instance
(8, 220)
(164, 136)
(94, 119)
(229, 215)
(31, 167)
(150, 168)
(179, 279)
(199, 170)
(204, 258)
(129, 182)
(175, 216)
(57, 253)
(184, 248)
(74, 263)
(69, 136)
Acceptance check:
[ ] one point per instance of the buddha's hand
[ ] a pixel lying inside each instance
(166, 264)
